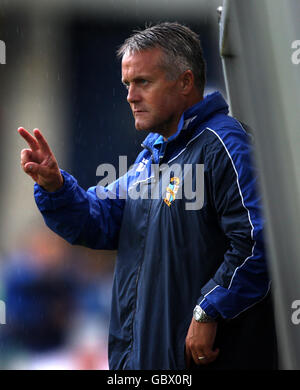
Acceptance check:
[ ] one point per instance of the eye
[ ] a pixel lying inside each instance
(143, 82)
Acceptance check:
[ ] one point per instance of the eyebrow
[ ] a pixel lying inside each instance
(135, 79)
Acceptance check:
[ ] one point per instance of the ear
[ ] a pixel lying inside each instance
(187, 82)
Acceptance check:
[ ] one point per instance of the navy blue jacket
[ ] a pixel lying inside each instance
(171, 256)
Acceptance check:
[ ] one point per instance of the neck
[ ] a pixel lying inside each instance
(172, 129)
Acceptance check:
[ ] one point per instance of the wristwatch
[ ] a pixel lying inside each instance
(200, 315)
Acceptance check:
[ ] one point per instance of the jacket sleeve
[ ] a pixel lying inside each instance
(80, 216)
(242, 278)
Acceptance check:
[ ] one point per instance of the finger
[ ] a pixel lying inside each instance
(42, 141)
(26, 156)
(201, 356)
(33, 168)
(209, 355)
(28, 169)
(32, 142)
(196, 355)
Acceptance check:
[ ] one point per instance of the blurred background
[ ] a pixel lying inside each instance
(61, 75)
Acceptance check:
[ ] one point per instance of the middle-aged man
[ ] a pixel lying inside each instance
(191, 286)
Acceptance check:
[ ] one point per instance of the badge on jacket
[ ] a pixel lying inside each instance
(171, 190)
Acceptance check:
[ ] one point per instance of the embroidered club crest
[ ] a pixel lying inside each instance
(171, 190)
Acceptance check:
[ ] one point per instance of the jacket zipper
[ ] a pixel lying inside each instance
(138, 271)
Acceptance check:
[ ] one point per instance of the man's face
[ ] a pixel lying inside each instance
(155, 101)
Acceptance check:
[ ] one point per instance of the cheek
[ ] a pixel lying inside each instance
(167, 107)
(162, 103)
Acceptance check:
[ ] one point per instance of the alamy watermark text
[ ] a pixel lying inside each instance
(153, 181)
(2, 313)
(296, 53)
(2, 53)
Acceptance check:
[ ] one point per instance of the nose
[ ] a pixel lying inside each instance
(133, 95)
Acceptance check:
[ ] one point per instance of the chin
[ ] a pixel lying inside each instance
(142, 127)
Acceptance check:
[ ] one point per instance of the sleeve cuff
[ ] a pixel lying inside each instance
(46, 200)
(208, 308)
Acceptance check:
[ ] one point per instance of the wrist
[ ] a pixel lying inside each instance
(55, 186)
(201, 316)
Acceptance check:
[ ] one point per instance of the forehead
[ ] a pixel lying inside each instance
(142, 62)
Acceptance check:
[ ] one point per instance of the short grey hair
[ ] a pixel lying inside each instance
(181, 46)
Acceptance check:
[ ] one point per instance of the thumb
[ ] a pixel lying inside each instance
(32, 168)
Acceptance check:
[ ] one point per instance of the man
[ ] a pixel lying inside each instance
(191, 286)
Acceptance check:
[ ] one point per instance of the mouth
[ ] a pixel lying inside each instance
(138, 112)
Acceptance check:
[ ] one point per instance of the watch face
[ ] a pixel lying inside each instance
(197, 313)
(200, 315)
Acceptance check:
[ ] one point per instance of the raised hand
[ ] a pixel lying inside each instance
(39, 161)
